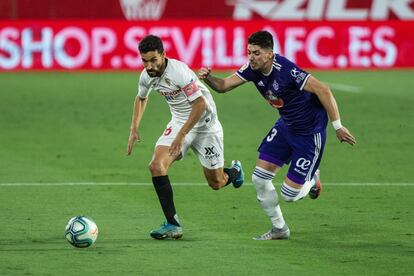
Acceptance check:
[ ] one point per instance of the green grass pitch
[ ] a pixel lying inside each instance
(63, 140)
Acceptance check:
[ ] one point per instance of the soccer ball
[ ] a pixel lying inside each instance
(81, 231)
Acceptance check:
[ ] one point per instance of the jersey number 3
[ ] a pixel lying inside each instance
(272, 135)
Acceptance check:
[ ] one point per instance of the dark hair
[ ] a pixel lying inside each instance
(264, 39)
(151, 43)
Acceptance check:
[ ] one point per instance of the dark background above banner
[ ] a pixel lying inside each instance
(330, 10)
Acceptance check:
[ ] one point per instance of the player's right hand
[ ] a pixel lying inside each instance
(344, 135)
(204, 72)
(133, 136)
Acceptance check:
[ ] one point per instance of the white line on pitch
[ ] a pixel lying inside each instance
(344, 87)
(41, 184)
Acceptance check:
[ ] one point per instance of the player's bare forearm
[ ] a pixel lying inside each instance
(342, 133)
(325, 96)
(216, 83)
(139, 108)
(328, 101)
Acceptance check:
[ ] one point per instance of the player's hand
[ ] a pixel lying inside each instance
(344, 135)
(133, 136)
(203, 73)
(177, 144)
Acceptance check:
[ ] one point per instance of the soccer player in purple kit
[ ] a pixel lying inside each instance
(298, 136)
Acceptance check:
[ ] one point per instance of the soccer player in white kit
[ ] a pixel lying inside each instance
(194, 124)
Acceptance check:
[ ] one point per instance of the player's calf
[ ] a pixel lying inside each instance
(216, 178)
(215, 183)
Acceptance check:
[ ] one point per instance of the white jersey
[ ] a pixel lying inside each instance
(180, 86)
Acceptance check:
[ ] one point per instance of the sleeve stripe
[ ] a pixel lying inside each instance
(237, 74)
(304, 82)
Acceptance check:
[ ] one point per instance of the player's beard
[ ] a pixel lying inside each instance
(152, 73)
(157, 72)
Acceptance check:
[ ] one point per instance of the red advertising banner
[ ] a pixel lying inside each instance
(96, 45)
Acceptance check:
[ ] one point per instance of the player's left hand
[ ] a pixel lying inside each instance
(175, 148)
(344, 135)
(133, 136)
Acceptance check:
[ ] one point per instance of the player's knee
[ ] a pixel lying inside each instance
(157, 168)
(258, 182)
(264, 187)
(261, 182)
(288, 193)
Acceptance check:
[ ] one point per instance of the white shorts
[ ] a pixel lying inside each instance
(206, 143)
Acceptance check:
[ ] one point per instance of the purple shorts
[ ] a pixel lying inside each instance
(303, 152)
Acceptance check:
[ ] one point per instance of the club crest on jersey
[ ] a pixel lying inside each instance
(167, 81)
(273, 100)
(275, 85)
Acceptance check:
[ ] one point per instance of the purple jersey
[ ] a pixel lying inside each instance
(300, 112)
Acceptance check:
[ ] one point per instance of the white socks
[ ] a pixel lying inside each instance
(267, 196)
(306, 188)
(292, 194)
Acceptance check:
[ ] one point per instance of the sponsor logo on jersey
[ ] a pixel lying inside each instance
(260, 83)
(169, 95)
(274, 100)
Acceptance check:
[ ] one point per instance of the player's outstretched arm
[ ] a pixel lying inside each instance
(139, 108)
(218, 84)
(328, 101)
